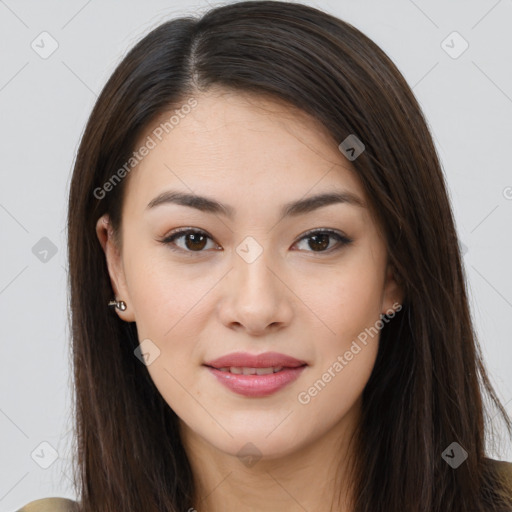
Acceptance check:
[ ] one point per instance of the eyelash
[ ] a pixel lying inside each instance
(171, 237)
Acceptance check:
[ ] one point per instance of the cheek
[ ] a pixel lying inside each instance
(162, 296)
(346, 352)
(350, 299)
(170, 311)
(336, 388)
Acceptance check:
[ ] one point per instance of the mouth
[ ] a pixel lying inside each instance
(246, 370)
(256, 375)
(265, 361)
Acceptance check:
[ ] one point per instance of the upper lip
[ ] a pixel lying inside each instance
(246, 360)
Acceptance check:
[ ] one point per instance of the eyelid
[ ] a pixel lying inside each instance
(343, 239)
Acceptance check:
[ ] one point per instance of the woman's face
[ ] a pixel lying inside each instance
(250, 278)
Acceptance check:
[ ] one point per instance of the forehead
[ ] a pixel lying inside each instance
(238, 143)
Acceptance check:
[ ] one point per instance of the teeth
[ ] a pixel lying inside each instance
(251, 371)
(264, 371)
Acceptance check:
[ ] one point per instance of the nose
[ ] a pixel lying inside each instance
(255, 297)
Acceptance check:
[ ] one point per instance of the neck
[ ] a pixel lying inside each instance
(313, 477)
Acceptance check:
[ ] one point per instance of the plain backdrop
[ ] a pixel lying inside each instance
(463, 81)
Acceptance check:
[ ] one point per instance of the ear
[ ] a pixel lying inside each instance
(112, 252)
(393, 293)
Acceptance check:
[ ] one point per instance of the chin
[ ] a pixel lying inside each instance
(258, 444)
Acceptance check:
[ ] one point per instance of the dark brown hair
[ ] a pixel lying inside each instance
(428, 385)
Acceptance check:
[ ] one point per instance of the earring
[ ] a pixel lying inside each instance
(119, 304)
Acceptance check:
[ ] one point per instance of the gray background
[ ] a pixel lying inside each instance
(45, 102)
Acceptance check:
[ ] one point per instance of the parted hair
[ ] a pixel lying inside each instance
(429, 387)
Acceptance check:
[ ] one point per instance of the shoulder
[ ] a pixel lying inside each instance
(50, 505)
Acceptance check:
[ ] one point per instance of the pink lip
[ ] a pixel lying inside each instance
(256, 385)
(265, 360)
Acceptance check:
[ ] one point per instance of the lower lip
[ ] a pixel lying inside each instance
(257, 385)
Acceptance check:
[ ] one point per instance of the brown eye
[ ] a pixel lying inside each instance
(192, 240)
(195, 241)
(320, 240)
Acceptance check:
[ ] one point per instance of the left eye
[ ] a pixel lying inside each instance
(195, 240)
(321, 239)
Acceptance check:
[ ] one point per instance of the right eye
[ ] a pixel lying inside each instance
(192, 240)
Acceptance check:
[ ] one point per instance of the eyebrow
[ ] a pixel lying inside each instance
(291, 209)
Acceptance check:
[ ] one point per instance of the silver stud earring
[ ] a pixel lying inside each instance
(119, 304)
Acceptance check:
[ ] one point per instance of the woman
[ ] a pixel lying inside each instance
(268, 303)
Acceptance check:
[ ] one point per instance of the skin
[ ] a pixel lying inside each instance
(253, 154)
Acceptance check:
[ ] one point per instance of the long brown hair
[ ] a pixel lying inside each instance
(428, 385)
